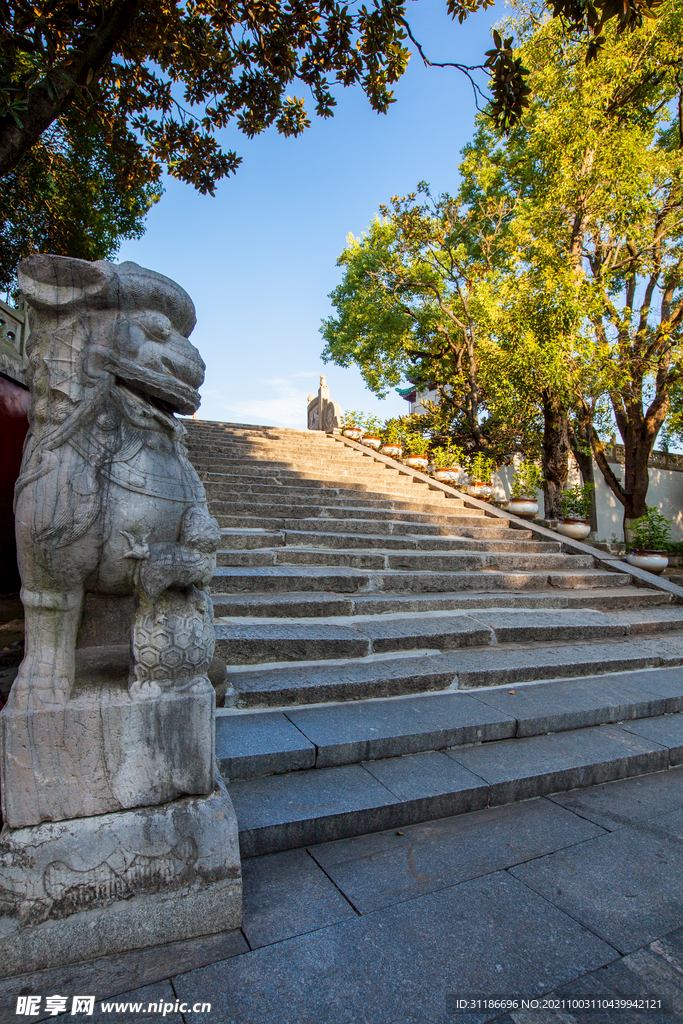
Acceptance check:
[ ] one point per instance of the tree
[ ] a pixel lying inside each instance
(173, 74)
(595, 170)
(416, 299)
(75, 194)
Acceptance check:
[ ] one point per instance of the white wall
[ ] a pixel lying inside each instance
(665, 492)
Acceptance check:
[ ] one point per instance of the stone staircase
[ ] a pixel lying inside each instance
(398, 653)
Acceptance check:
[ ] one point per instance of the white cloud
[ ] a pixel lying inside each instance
(277, 401)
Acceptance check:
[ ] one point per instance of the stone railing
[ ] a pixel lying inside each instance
(658, 460)
(322, 412)
(13, 333)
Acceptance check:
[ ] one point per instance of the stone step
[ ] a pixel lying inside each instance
(332, 495)
(208, 442)
(410, 561)
(339, 476)
(270, 461)
(316, 805)
(323, 491)
(255, 744)
(275, 505)
(241, 641)
(313, 605)
(244, 511)
(236, 540)
(417, 671)
(293, 437)
(347, 580)
(396, 526)
(281, 453)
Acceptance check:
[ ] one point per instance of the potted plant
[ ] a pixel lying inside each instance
(481, 470)
(372, 428)
(448, 459)
(392, 438)
(649, 537)
(525, 484)
(417, 455)
(575, 503)
(352, 427)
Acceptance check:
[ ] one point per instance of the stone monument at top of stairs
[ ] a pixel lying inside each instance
(117, 833)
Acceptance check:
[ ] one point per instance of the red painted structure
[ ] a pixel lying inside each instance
(13, 426)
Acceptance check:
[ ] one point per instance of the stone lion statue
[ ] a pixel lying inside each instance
(107, 502)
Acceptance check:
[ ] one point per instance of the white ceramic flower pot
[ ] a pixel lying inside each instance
(355, 433)
(527, 508)
(373, 442)
(447, 475)
(480, 489)
(393, 450)
(652, 561)
(416, 462)
(577, 529)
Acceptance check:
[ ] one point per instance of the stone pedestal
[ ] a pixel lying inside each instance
(116, 834)
(79, 889)
(102, 751)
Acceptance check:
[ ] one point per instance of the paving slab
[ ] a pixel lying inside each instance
(625, 802)
(260, 744)
(666, 729)
(375, 871)
(126, 1008)
(574, 703)
(621, 981)
(287, 894)
(110, 975)
(626, 886)
(153, 1000)
(519, 769)
(358, 731)
(401, 964)
(300, 808)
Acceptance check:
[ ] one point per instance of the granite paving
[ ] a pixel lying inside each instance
(574, 896)
(629, 892)
(388, 867)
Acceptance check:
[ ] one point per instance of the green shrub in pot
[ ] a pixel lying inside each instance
(527, 480)
(649, 538)
(481, 468)
(525, 484)
(575, 501)
(447, 455)
(650, 532)
(416, 444)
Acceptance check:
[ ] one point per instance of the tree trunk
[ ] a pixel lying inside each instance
(555, 453)
(580, 434)
(637, 450)
(638, 432)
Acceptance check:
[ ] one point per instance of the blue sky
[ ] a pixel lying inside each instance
(259, 258)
